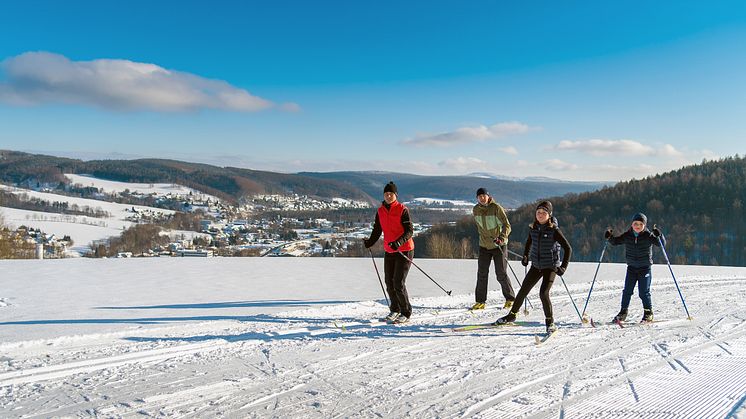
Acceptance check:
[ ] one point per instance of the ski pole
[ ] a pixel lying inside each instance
(525, 310)
(415, 265)
(571, 299)
(585, 318)
(379, 277)
(663, 248)
(525, 307)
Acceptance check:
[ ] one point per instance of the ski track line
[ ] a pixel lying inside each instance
(644, 369)
(548, 368)
(62, 370)
(508, 392)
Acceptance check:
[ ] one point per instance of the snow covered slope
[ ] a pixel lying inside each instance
(258, 337)
(157, 189)
(82, 229)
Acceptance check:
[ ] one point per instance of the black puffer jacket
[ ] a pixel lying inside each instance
(638, 250)
(541, 246)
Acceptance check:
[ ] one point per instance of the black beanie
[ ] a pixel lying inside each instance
(390, 187)
(482, 191)
(640, 217)
(546, 206)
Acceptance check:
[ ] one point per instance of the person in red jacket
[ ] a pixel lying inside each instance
(392, 219)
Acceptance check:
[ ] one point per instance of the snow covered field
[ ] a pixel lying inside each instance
(157, 189)
(82, 229)
(283, 337)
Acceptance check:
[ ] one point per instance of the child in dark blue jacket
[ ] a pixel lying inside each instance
(638, 242)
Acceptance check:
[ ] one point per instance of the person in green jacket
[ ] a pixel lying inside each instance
(494, 229)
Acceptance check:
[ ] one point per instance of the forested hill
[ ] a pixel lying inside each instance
(232, 183)
(224, 182)
(699, 208)
(512, 193)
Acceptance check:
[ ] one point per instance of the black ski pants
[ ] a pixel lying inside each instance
(395, 268)
(486, 256)
(532, 278)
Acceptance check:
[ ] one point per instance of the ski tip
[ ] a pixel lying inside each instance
(593, 324)
(537, 339)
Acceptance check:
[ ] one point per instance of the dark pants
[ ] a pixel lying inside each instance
(396, 268)
(642, 277)
(486, 256)
(532, 278)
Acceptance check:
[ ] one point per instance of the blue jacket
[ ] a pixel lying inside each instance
(638, 250)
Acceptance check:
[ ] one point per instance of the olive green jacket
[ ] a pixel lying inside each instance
(492, 222)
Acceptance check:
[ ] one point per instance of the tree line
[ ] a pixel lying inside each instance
(699, 208)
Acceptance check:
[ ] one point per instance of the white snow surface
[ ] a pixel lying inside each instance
(157, 189)
(286, 337)
(82, 229)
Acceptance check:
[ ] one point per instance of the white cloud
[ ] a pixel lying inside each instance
(42, 77)
(667, 150)
(559, 165)
(469, 135)
(601, 148)
(463, 165)
(509, 150)
(607, 147)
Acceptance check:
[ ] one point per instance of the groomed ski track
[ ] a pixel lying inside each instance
(331, 362)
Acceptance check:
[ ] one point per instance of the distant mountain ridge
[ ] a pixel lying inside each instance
(233, 183)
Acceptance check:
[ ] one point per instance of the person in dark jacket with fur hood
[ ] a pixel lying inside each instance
(542, 251)
(638, 244)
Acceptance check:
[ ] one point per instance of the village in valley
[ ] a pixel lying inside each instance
(263, 225)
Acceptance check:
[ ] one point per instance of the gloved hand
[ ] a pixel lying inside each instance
(607, 234)
(367, 244)
(656, 232)
(498, 241)
(394, 245)
(560, 270)
(524, 261)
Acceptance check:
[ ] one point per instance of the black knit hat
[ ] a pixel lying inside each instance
(482, 191)
(390, 187)
(640, 217)
(546, 206)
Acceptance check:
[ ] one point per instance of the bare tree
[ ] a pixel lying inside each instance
(442, 246)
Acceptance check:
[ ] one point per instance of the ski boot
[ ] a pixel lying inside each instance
(551, 327)
(477, 306)
(622, 316)
(647, 317)
(507, 319)
(391, 317)
(508, 304)
(401, 319)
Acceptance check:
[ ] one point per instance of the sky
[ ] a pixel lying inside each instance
(577, 90)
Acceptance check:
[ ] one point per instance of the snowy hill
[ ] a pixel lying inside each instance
(83, 229)
(256, 337)
(156, 189)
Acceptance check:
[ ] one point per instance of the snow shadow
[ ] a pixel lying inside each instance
(304, 331)
(232, 304)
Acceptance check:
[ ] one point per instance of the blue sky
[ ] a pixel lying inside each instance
(570, 90)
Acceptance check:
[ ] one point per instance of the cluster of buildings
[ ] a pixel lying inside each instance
(30, 243)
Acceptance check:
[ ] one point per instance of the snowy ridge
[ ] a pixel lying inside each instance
(255, 357)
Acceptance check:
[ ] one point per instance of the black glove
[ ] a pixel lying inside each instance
(394, 245)
(656, 232)
(560, 270)
(524, 261)
(367, 244)
(607, 234)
